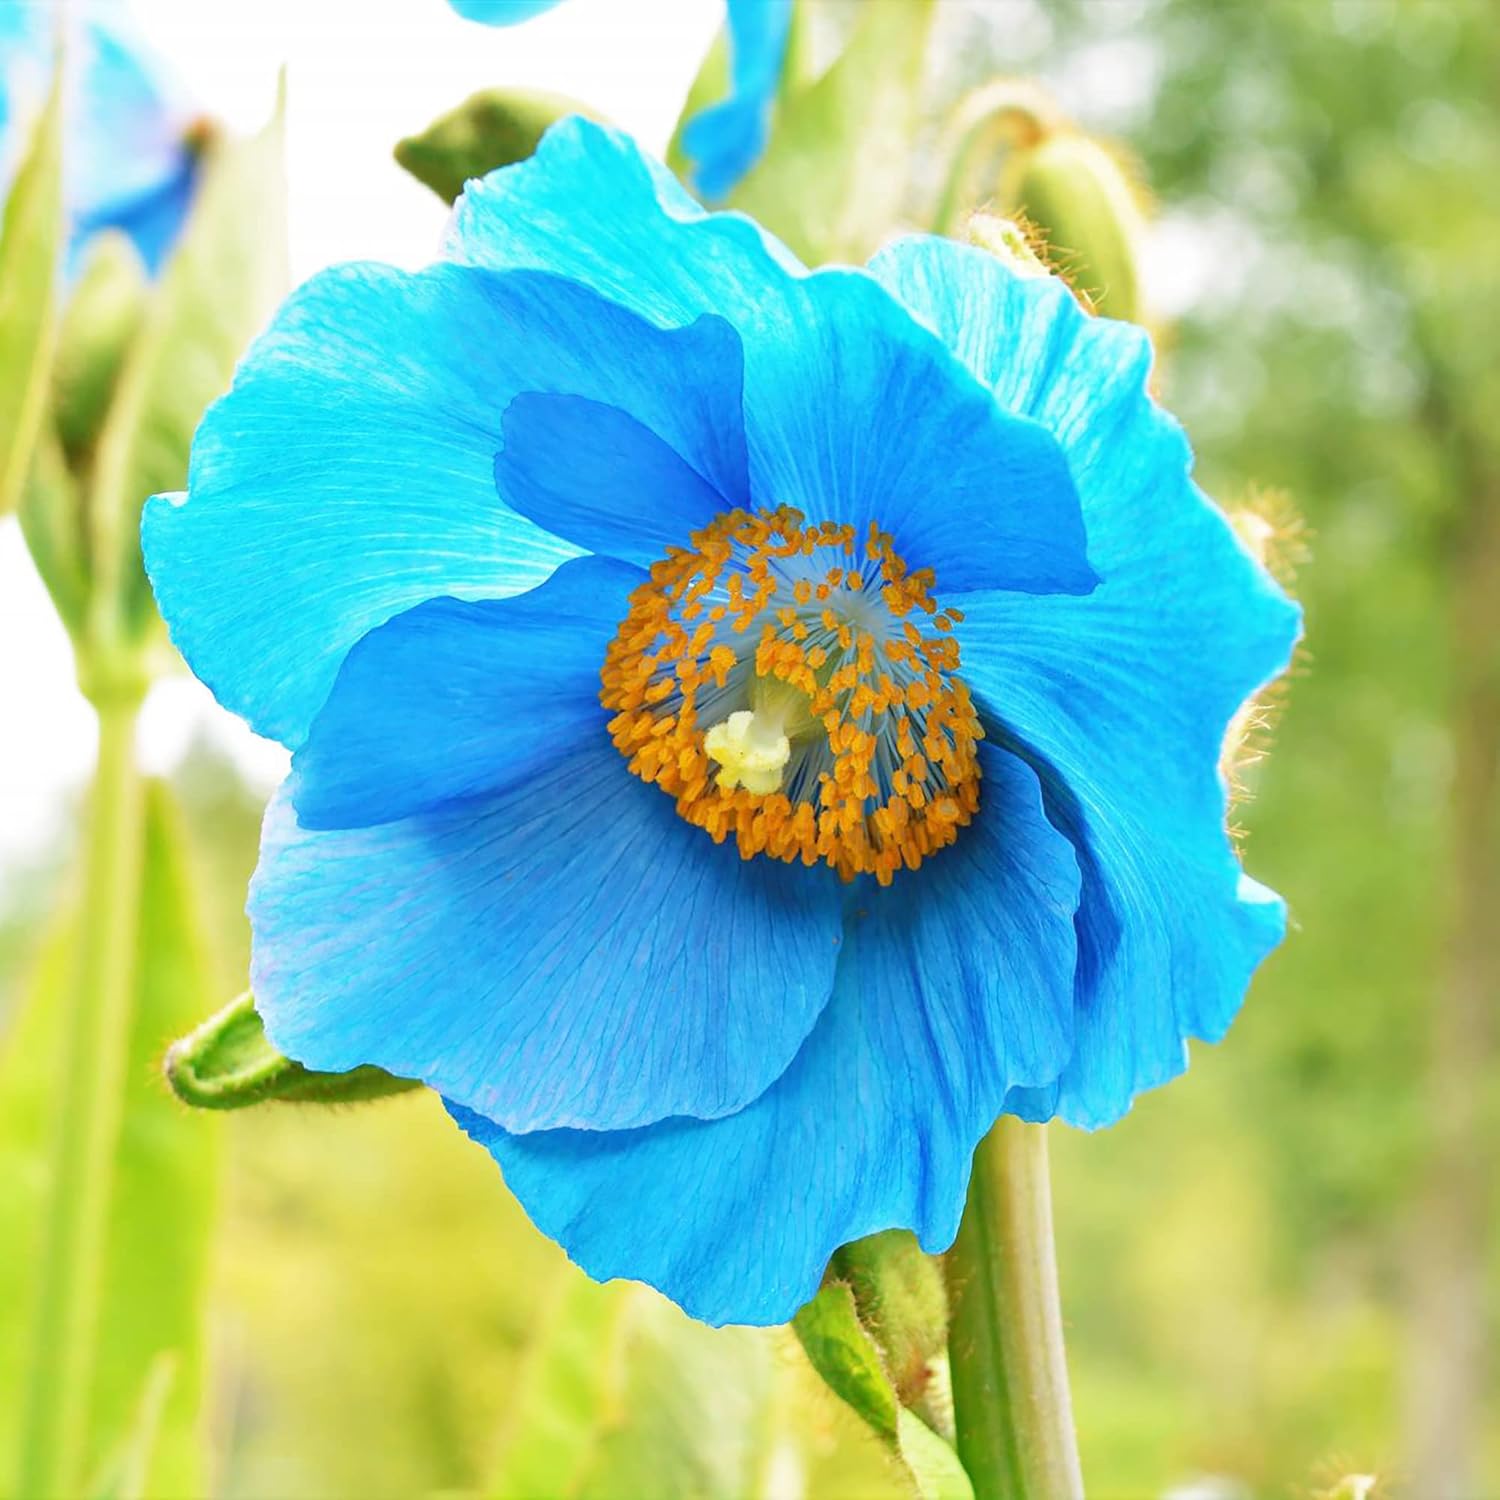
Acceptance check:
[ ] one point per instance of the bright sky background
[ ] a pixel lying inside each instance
(360, 75)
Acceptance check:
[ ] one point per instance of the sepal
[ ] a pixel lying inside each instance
(844, 1354)
(876, 1333)
(228, 1063)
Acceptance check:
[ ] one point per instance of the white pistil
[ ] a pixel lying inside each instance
(752, 750)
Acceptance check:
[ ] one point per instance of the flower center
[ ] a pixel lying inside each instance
(798, 687)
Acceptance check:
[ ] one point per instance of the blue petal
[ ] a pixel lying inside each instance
(153, 219)
(853, 412)
(452, 700)
(1121, 699)
(564, 952)
(349, 474)
(593, 474)
(129, 166)
(501, 12)
(728, 139)
(955, 985)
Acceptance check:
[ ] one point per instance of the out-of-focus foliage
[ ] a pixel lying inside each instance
(1237, 1256)
(30, 240)
(835, 175)
(135, 367)
(152, 1356)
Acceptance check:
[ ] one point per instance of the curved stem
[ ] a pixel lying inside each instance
(90, 1089)
(1000, 115)
(1011, 1401)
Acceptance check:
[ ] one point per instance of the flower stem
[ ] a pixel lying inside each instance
(90, 1094)
(1011, 1402)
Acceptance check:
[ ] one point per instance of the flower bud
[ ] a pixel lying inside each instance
(1087, 209)
(902, 1304)
(98, 324)
(228, 1063)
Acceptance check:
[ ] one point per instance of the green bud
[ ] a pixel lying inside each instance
(490, 129)
(227, 1063)
(98, 324)
(840, 1347)
(902, 1302)
(98, 327)
(1082, 202)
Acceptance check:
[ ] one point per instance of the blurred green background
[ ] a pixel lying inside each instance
(1281, 1269)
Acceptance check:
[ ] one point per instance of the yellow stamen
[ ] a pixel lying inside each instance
(840, 731)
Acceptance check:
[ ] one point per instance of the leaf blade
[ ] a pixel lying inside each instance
(30, 249)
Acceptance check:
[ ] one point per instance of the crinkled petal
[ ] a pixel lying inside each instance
(452, 699)
(727, 139)
(853, 411)
(349, 474)
(1120, 699)
(956, 985)
(565, 952)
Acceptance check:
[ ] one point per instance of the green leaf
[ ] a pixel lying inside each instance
(835, 175)
(623, 1395)
(849, 1361)
(31, 243)
(490, 129)
(225, 276)
(163, 1203)
(228, 1063)
(126, 1472)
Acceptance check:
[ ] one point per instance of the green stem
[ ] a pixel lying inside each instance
(90, 1086)
(995, 118)
(1010, 1377)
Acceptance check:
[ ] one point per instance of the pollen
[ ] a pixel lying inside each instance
(794, 686)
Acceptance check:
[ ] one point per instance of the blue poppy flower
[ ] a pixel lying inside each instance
(727, 139)
(751, 726)
(131, 158)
